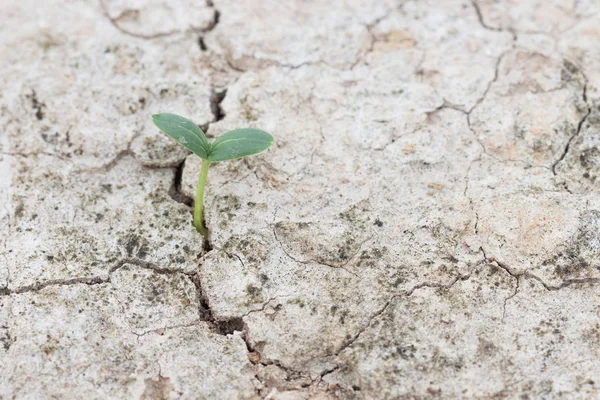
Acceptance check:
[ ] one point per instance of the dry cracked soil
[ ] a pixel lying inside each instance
(427, 224)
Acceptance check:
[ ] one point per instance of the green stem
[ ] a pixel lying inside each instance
(198, 207)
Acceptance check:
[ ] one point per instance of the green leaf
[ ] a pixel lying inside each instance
(239, 143)
(185, 132)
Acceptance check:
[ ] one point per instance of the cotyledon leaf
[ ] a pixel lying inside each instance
(239, 143)
(183, 131)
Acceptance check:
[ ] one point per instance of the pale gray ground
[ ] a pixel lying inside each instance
(426, 225)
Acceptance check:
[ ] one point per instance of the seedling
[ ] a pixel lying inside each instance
(234, 144)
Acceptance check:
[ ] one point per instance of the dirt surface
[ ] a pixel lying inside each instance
(426, 225)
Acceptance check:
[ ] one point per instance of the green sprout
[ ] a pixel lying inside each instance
(231, 145)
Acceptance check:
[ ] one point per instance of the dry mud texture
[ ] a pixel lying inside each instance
(427, 224)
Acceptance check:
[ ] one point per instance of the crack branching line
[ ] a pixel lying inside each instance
(122, 154)
(175, 191)
(106, 167)
(354, 338)
(565, 283)
(492, 81)
(90, 281)
(345, 264)
(487, 260)
(509, 271)
(147, 265)
(111, 164)
(216, 99)
(577, 132)
(489, 27)
(512, 295)
(514, 36)
(163, 329)
(313, 261)
(373, 40)
(528, 275)
(406, 293)
(263, 307)
(54, 282)
(114, 21)
(467, 113)
(292, 374)
(507, 299)
(231, 255)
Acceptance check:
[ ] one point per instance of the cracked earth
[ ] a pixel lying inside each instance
(426, 225)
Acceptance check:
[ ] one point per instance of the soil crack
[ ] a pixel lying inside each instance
(579, 127)
(114, 21)
(90, 281)
(220, 326)
(489, 27)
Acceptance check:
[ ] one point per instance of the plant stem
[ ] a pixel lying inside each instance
(199, 204)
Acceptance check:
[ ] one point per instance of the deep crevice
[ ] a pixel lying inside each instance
(215, 19)
(201, 44)
(36, 105)
(219, 326)
(227, 327)
(175, 190)
(216, 98)
(179, 196)
(210, 27)
(207, 243)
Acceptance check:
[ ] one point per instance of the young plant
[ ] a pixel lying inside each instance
(229, 146)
